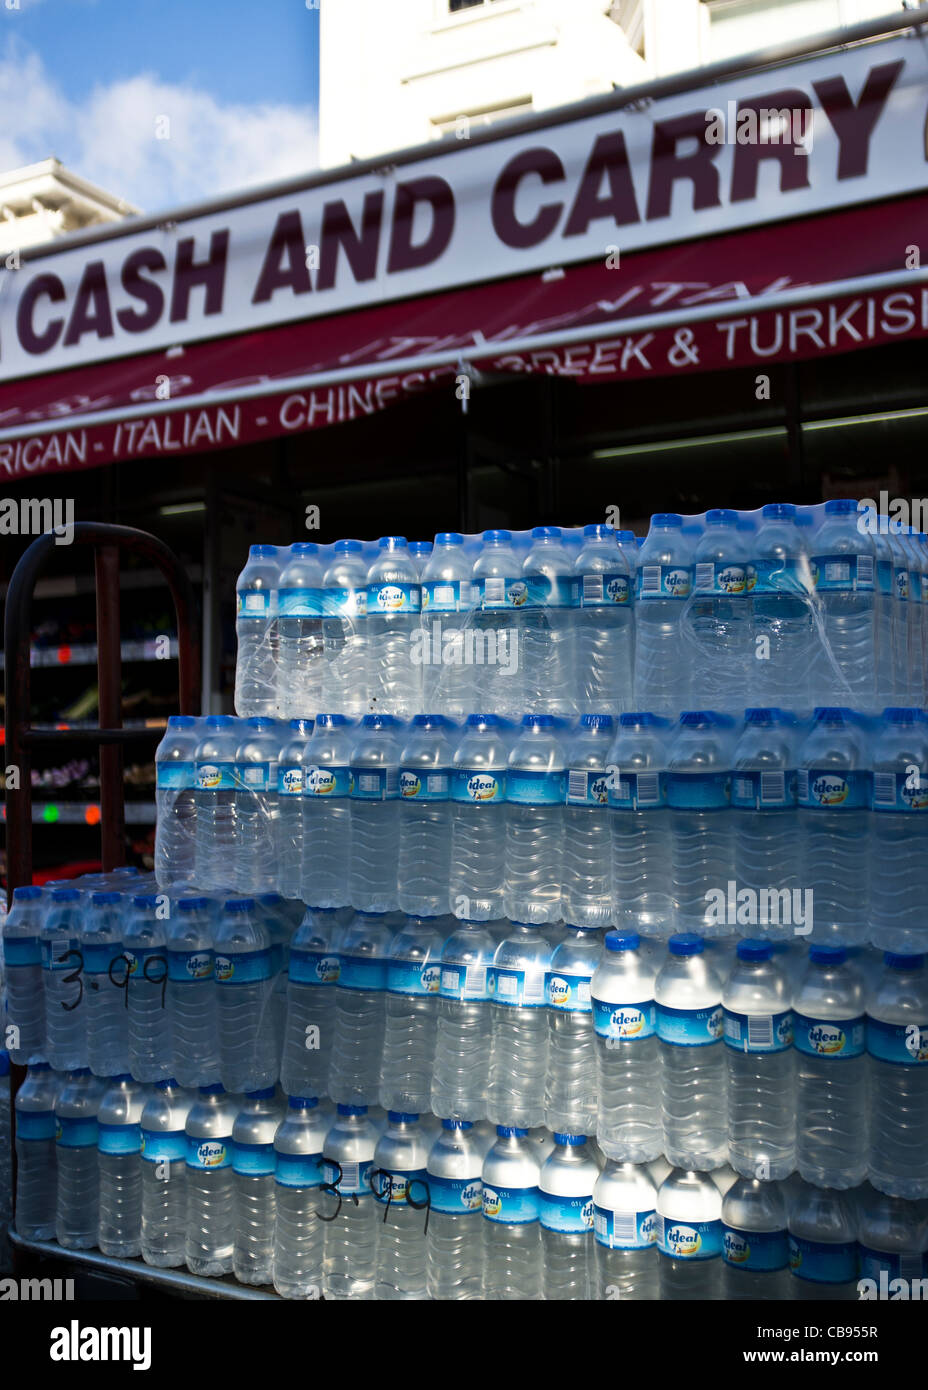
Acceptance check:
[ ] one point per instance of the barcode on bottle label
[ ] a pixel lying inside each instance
(576, 785)
(760, 1031)
(651, 579)
(494, 590)
(393, 781)
(772, 787)
(802, 784)
(884, 788)
(865, 569)
(705, 576)
(648, 789)
(624, 1228)
(351, 1173)
(592, 588)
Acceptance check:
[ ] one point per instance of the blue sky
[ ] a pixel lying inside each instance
(91, 81)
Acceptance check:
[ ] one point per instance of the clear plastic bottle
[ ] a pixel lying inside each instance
(902, 670)
(478, 820)
(346, 673)
(463, 1029)
(119, 1145)
(210, 1239)
(662, 586)
(216, 845)
(628, 1121)
(698, 794)
(783, 610)
(755, 1242)
(375, 821)
(720, 619)
(290, 770)
(535, 790)
(424, 810)
(888, 635)
(77, 1211)
(149, 1029)
(164, 1175)
(191, 993)
(36, 1153)
(892, 1240)
(309, 1028)
(570, 1079)
(256, 630)
(244, 983)
(105, 968)
(766, 837)
(823, 1253)
(898, 826)
(897, 1043)
(694, 1107)
(761, 1065)
(513, 1266)
(253, 1168)
(547, 621)
(519, 1056)
(689, 1236)
(22, 968)
(299, 628)
(586, 857)
(834, 794)
(348, 1211)
(447, 678)
(640, 826)
(299, 1235)
(499, 594)
(256, 813)
(625, 1233)
(360, 1010)
(175, 802)
(565, 1213)
(413, 984)
(603, 593)
(419, 553)
(63, 986)
(831, 1074)
(845, 664)
(916, 652)
(327, 813)
(454, 1267)
(394, 604)
(401, 1192)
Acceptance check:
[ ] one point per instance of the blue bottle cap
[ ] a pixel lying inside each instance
(598, 529)
(841, 506)
(897, 961)
(686, 944)
(897, 714)
(301, 726)
(597, 721)
(263, 552)
(626, 537)
(302, 1102)
(537, 721)
(192, 904)
(239, 905)
(348, 547)
(165, 1083)
(457, 1124)
(760, 715)
(827, 955)
(265, 1093)
(497, 536)
(751, 949)
(392, 543)
(572, 1141)
(401, 1117)
(260, 721)
(622, 940)
(492, 721)
(542, 533)
(667, 519)
(507, 1131)
(220, 721)
(635, 718)
(107, 899)
(213, 1089)
(331, 721)
(65, 895)
(28, 893)
(351, 1109)
(181, 721)
(721, 516)
(779, 511)
(304, 548)
(449, 538)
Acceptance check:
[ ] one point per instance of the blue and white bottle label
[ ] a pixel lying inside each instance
(763, 791)
(257, 604)
(175, 776)
(549, 591)
(313, 967)
(895, 1264)
(189, 967)
(829, 1038)
(625, 1022)
(823, 1263)
(689, 1240)
(843, 574)
(511, 1206)
(119, 1139)
(374, 783)
(76, 1133)
(420, 785)
(636, 791)
(344, 603)
(536, 788)
(401, 1187)
(521, 989)
(567, 1215)
(446, 596)
(788, 575)
(465, 982)
(900, 791)
(413, 977)
(209, 1154)
(698, 791)
(722, 577)
(354, 1179)
(690, 1027)
(164, 1146)
(24, 950)
(757, 1251)
(32, 1125)
(216, 777)
(300, 603)
(905, 1044)
(586, 788)
(362, 972)
(253, 1160)
(477, 787)
(663, 582)
(327, 781)
(99, 957)
(568, 994)
(246, 968)
(625, 1230)
(456, 1196)
(289, 779)
(823, 788)
(498, 592)
(393, 598)
(602, 591)
(147, 964)
(298, 1170)
(758, 1032)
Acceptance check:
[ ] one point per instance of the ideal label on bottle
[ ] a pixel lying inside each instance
(823, 1037)
(900, 791)
(627, 1022)
(465, 982)
(175, 776)
(601, 591)
(760, 1251)
(327, 781)
(702, 791)
(401, 1187)
(419, 785)
(787, 575)
(413, 977)
(497, 592)
(567, 993)
(758, 1032)
(393, 598)
(209, 1153)
(138, 968)
(256, 777)
(255, 603)
(245, 968)
(455, 1196)
(763, 791)
(355, 1177)
(636, 791)
(24, 950)
(375, 783)
(895, 1264)
(690, 1027)
(823, 788)
(76, 1133)
(164, 1146)
(99, 957)
(289, 779)
(216, 777)
(567, 1215)
(300, 603)
(663, 581)
(625, 1230)
(344, 603)
(187, 967)
(906, 1044)
(511, 1206)
(586, 788)
(362, 972)
(902, 585)
(823, 1263)
(536, 788)
(119, 1139)
(32, 1125)
(522, 989)
(846, 574)
(312, 967)
(254, 1160)
(721, 577)
(477, 787)
(446, 596)
(689, 1240)
(298, 1170)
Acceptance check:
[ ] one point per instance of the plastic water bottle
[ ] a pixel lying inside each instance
(547, 621)
(22, 966)
(360, 1010)
(628, 1120)
(755, 1241)
(210, 1240)
(823, 1246)
(902, 670)
(689, 1236)
(499, 594)
(413, 984)
(888, 635)
(831, 1076)
(299, 1235)
(401, 1191)
(327, 813)
(897, 1041)
(63, 988)
(454, 1264)
(425, 816)
(36, 1153)
(478, 820)
(119, 1145)
(640, 826)
(761, 1065)
(299, 629)
(602, 595)
(898, 824)
(698, 793)
(834, 793)
(351, 1218)
(570, 1079)
(662, 586)
(244, 984)
(216, 844)
(164, 1175)
(78, 1205)
(766, 837)
(375, 822)
(891, 1240)
(346, 673)
(535, 791)
(916, 654)
(586, 859)
(105, 969)
(253, 1168)
(843, 563)
(309, 1029)
(625, 1233)
(519, 1056)
(394, 603)
(290, 788)
(783, 610)
(565, 1213)
(513, 1258)
(720, 614)
(688, 995)
(175, 801)
(190, 997)
(149, 1028)
(419, 553)
(463, 1028)
(256, 833)
(256, 631)
(447, 677)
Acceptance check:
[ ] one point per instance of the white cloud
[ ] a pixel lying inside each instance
(112, 137)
